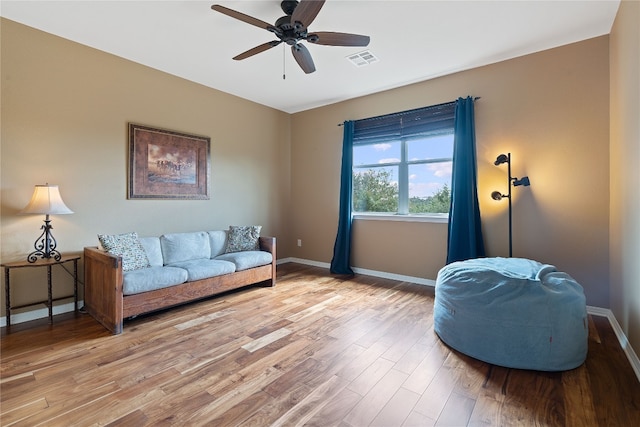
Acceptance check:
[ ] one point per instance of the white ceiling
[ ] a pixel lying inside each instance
(414, 40)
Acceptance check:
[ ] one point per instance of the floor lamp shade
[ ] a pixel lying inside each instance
(46, 200)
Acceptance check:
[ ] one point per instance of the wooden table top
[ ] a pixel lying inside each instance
(40, 262)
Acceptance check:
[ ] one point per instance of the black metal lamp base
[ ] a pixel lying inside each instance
(45, 245)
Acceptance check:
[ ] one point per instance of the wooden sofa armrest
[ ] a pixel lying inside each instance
(103, 297)
(269, 244)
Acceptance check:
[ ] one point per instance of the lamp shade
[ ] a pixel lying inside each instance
(524, 181)
(46, 199)
(502, 158)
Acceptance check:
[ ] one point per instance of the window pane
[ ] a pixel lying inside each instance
(429, 187)
(434, 147)
(375, 154)
(375, 189)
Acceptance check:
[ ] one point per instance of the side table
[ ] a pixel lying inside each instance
(40, 263)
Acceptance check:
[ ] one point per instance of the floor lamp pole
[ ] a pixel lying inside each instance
(510, 212)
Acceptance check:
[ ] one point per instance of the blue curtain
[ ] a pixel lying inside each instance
(342, 247)
(465, 231)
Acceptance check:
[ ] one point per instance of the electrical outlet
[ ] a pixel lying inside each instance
(299, 242)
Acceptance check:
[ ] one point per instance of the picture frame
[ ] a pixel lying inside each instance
(165, 164)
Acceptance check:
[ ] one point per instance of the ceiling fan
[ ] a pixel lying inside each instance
(292, 29)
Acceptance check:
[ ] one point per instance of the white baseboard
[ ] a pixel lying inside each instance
(596, 311)
(622, 338)
(364, 271)
(40, 313)
(305, 262)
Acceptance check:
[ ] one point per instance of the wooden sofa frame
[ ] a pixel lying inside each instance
(105, 301)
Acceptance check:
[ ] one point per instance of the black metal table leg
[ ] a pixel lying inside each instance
(7, 292)
(50, 300)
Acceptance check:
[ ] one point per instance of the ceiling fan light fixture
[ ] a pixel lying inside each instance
(363, 58)
(288, 6)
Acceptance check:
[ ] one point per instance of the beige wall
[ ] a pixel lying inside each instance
(625, 170)
(65, 109)
(549, 109)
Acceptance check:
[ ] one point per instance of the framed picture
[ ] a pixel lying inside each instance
(164, 164)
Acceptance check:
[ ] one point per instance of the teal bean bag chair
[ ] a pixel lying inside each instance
(512, 312)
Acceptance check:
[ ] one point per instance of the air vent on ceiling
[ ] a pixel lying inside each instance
(363, 58)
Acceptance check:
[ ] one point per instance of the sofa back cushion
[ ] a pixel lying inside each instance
(218, 242)
(152, 247)
(180, 247)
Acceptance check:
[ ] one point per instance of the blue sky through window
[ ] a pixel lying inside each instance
(425, 179)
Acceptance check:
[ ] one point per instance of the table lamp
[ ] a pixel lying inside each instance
(46, 200)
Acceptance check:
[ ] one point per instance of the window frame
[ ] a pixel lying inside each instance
(403, 126)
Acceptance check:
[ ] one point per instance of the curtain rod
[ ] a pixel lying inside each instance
(437, 105)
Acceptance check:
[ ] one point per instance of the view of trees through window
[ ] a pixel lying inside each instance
(411, 176)
(374, 191)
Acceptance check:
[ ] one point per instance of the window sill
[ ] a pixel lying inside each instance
(436, 218)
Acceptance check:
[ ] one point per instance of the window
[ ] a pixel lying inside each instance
(402, 162)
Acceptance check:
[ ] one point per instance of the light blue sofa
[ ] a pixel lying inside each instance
(182, 267)
(512, 312)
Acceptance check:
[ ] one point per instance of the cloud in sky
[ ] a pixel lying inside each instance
(441, 170)
(424, 189)
(382, 147)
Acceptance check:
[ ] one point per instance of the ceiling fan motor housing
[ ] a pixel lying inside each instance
(287, 32)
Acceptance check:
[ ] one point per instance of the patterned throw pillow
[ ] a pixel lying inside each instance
(128, 247)
(243, 238)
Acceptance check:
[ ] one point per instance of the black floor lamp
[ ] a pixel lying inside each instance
(496, 195)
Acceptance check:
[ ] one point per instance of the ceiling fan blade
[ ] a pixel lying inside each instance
(257, 49)
(242, 17)
(306, 12)
(303, 58)
(329, 38)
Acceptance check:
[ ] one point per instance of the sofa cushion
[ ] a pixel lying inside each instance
(218, 242)
(247, 259)
(128, 247)
(243, 238)
(179, 247)
(152, 247)
(205, 268)
(149, 279)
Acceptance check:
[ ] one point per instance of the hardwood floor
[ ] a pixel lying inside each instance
(316, 350)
